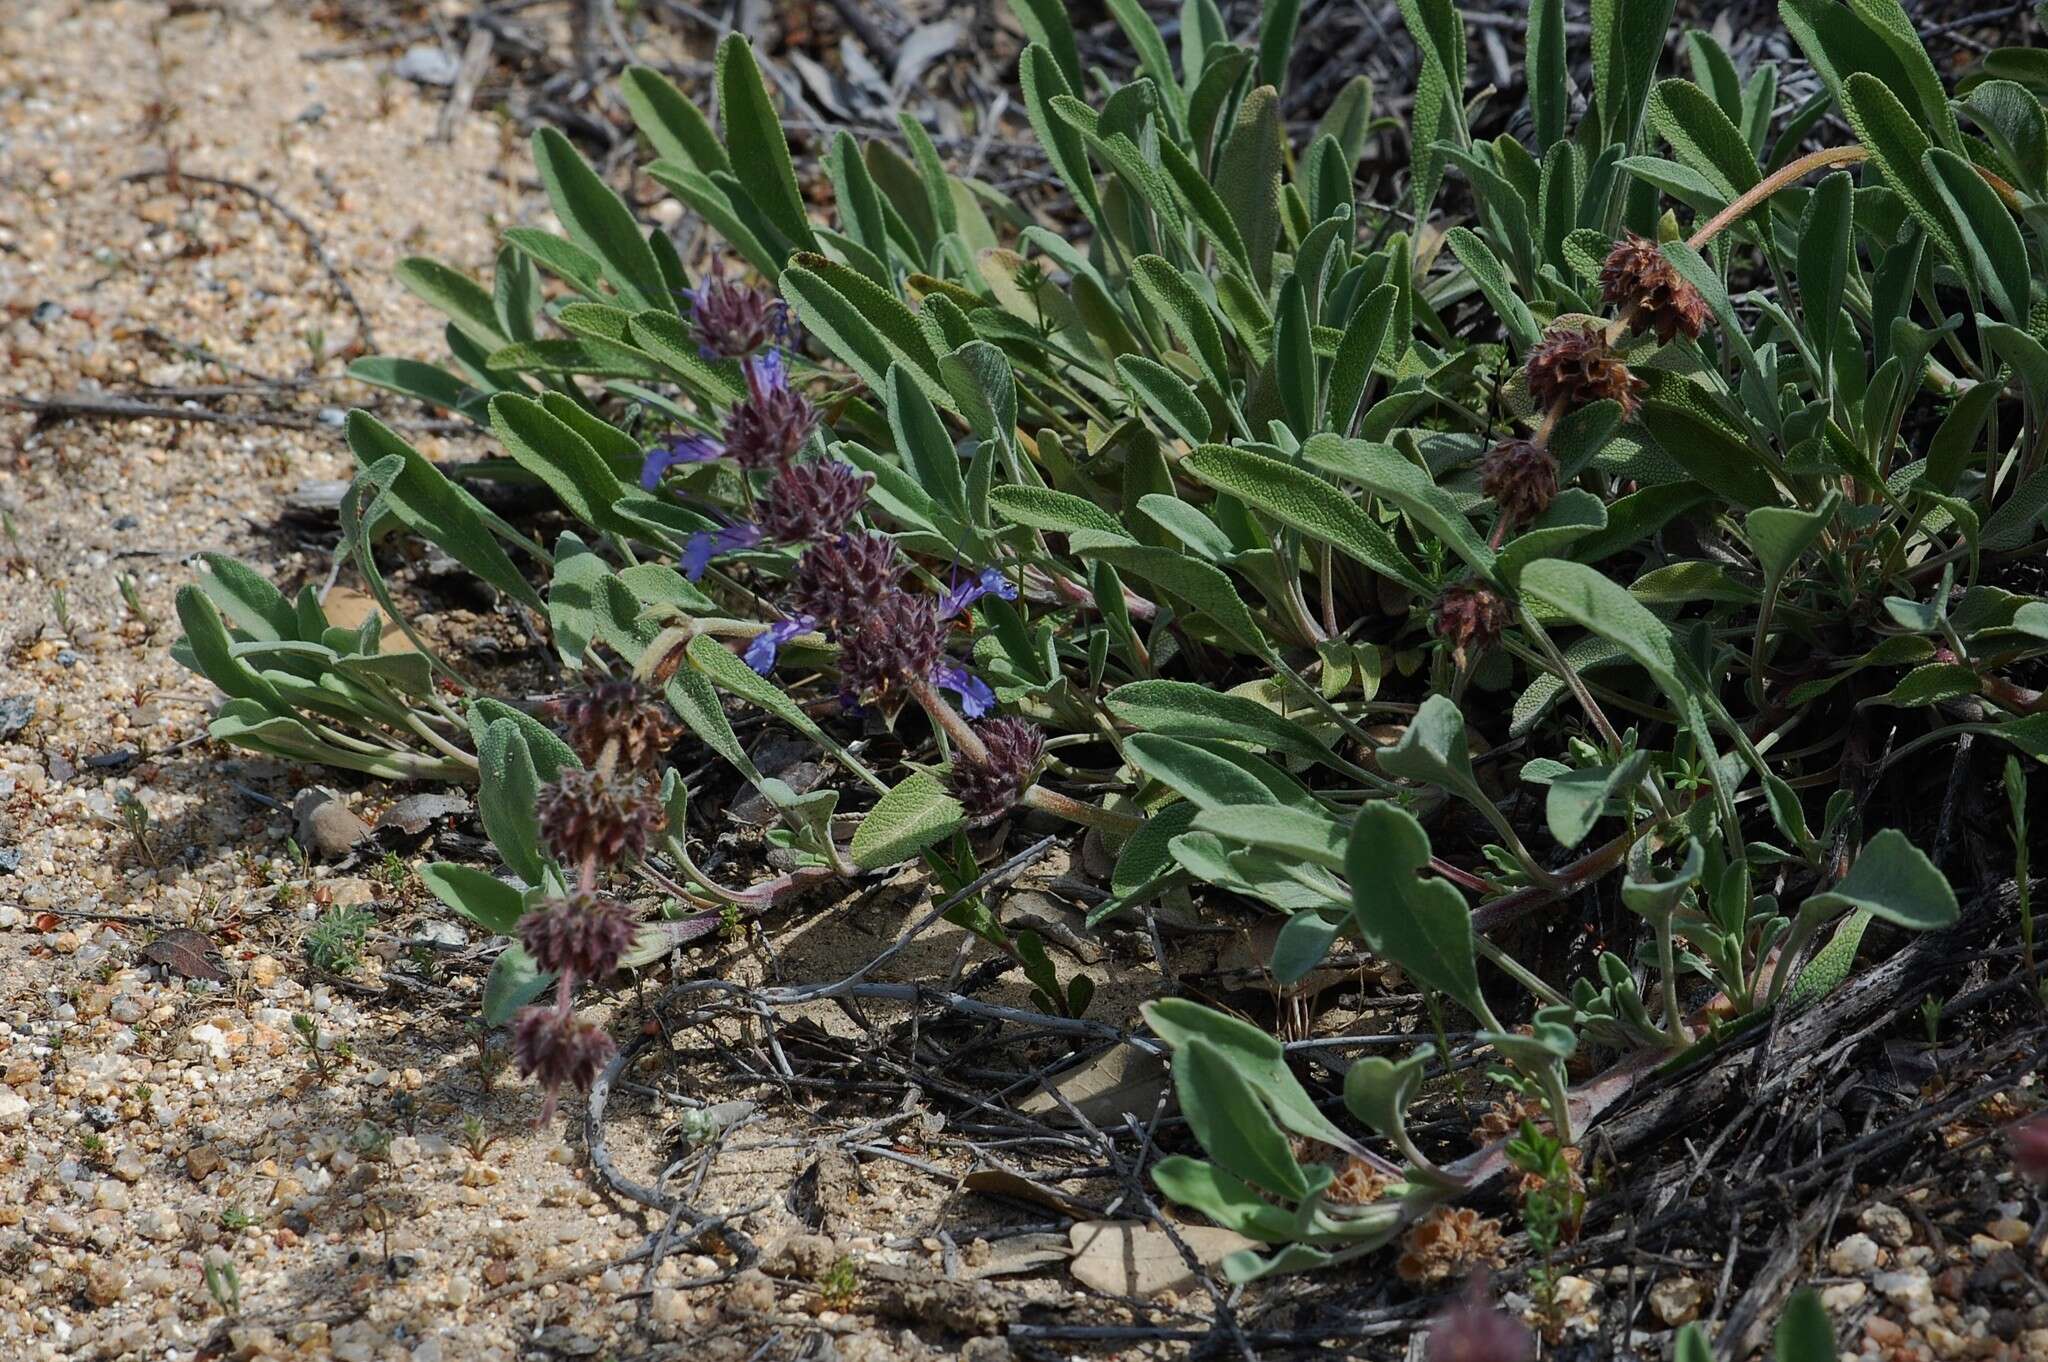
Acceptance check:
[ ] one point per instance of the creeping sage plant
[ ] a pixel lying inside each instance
(1394, 572)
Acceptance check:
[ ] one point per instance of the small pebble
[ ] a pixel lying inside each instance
(1855, 1255)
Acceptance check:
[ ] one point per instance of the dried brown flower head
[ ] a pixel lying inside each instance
(1639, 281)
(1527, 1184)
(1357, 1183)
(1470, 618)
(625, 711)
(1521, 477)
(1503, 1120)
(1575, 365)
(1449, 1242)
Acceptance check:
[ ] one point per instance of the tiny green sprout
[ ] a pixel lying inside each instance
(839, 1288)
(131, 596)
(224, 1284)
(316, 345)
(730, 924)
(93, 1145)
(308, 1032)
(60, 606)
(135, 817)
(1552, 1208)
(491, 1056)
(1930, 1017)
(477, 1136)
(234, 1219)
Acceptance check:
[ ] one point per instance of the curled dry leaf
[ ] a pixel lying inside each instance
(186, 953)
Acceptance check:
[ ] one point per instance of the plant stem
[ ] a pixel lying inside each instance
(957, 730)
(1519, 972)
(1073, 810)
(1667, 962)
(1786, 174)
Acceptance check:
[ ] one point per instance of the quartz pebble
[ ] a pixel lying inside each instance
(1856, 1254)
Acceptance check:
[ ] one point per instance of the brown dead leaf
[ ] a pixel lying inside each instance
(1120, 1080)
(1015, 1186)
(1130, 1258)
(185, 953)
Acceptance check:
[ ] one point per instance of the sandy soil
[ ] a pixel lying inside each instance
(150, 1125)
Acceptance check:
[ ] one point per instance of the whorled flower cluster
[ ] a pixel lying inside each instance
(772, 421)
(583, 935)
(1521, 477)
(1575, 366)
(990, 785)
(891, 640)
(840, 579)
(1648, 290)
(897, 639)
(734, 321)
(590, 817)
(636, 724)
(560, 1049)
(809, 502)
(767, 427)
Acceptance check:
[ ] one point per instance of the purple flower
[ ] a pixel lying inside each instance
(705, 545)
(898, 639)
(989, 786)
(677, 449)
(733, 320)
(807, 502)
(1473, 1331)
(976, 699)
(761, 653)
(988, 582)
(767, 370)
(2029, 1139)
(769, 425)
(837, 580)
